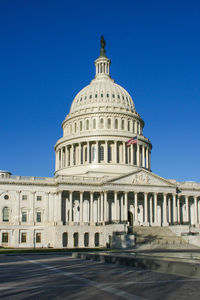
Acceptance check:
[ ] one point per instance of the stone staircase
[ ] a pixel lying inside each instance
(159, 238)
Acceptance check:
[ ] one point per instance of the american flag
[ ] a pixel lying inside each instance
(133, 140)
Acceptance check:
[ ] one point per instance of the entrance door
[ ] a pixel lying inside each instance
(130, 218)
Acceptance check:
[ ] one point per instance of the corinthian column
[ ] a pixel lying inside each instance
(136, 209)
(164, 210)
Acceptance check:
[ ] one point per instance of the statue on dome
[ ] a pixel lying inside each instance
(103, 43)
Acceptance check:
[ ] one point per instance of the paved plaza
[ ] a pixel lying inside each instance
(59, 276)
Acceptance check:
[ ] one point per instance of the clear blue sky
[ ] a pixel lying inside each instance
(47, 50)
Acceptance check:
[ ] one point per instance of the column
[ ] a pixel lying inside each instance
(132, 154)
(46, 207)
(18, 217)
(187, 208)
(88, 152)
(105, 207)
(178, 210)
(101, 207)
(174, 209)
(169, 211)
(80, 153)
(71, 155)
(138, 155)
(106, 152)
(59, 211)
(155, 209)
(147, 158)
(145, 210)
(91, 206)
(125, 206)
(195, 210)
(122, 208)
(164, 210)
(143, 156)
(81, 207)
(32, 216)
(136, 209)
(97, 151)
(70, 206)
(115, 152)
(124, 153)
(61, 157)
(98, 209)
(151, 210)
(115, 201)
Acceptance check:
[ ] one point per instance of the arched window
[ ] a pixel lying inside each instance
(65, 239)
(87, 125)
(101, 123)
(70, 128)
(5, 214)
(116, 124)
(96, 239)
(81, 125)
(94, 123)
(86, 239)
(122, 125)
(75, 239)
(138, 127)
(109, 123)
(75, 127)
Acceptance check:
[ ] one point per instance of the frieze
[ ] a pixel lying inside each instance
(141, 179)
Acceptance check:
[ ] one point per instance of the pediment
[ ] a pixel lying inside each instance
(141, 177)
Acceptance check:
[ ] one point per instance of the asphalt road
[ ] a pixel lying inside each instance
(58, 276)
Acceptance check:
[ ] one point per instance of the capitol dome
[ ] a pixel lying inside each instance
(101, 120)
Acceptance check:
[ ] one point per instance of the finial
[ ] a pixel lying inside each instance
(103, 43)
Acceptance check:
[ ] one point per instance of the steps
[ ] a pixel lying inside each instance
(159, 237)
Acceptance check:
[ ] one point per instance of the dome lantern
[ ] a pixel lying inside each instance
(102, 63)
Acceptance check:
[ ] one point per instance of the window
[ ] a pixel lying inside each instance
(87, 124)
(75, 127)
(86, 154)
(122, 125)
(101, 123)
(109, 153)
(5, 214)
(94, 123)
(116, 124)
(113, 95)
(23, 237)
(70, 128)
(109, 123)
(75, 239)
(101, 153)
(81, 126)
(24, 197)
(6, 197)
(86, 239)
(107, 95)
(90, 96)
(96, 239)
(38, 237)
(101, 95)
(39, 198)
(95, 95)
(38, 216)
(129, 125)
(24, 216)
(5, 237)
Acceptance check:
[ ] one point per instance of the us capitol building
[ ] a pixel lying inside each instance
(103, 184)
